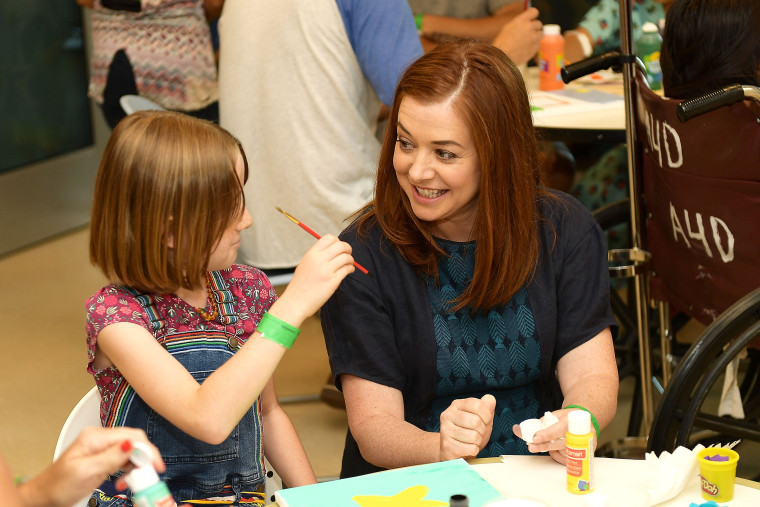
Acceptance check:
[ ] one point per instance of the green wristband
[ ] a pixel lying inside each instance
(593, 419)
(418, 22)
(276, 330)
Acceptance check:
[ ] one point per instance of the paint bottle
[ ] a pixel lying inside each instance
(580, 452)
(551, 58)
(147, 489)
(648, 49)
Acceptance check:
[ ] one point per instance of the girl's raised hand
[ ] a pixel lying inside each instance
(319, 273)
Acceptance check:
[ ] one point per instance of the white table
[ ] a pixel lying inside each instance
(616, 482)
(620, 481)
(594, 126)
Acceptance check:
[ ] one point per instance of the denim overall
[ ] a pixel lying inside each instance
(195, 469)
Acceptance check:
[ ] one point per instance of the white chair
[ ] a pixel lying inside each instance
(87, 413)
(132, 103)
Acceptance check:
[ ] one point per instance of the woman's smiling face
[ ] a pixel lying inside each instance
(438, 167)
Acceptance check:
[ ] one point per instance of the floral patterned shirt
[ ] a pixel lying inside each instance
(253, 294)
(603, 21)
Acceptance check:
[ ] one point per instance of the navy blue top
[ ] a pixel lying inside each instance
(382, 329)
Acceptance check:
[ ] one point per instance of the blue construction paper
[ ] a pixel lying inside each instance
(428, 485)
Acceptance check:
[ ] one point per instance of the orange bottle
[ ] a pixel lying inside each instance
(551, 58)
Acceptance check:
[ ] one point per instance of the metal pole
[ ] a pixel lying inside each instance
(626, 40)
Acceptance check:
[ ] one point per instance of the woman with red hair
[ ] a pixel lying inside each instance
(489, 302)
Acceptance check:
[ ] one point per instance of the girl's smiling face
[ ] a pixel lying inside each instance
(438, 167)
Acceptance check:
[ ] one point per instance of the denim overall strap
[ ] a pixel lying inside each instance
(146, 301)
(195, 469)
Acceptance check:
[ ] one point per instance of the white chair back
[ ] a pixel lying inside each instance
(132, 103)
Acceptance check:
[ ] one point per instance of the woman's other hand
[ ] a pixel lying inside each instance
(466, 426)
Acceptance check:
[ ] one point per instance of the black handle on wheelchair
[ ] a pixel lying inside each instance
(590, 65)
(688, 109)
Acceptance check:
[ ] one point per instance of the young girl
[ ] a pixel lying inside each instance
(183, 343)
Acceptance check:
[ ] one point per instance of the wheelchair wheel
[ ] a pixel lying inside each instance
(686, 416)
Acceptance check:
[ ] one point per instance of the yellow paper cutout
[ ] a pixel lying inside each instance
(410, 497)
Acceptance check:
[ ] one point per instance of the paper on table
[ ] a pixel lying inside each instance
(572, 100)
(668, 474)
(542, 478)
(431, 484)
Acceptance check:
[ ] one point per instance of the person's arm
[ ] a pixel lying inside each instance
(282, 447)
(384, 40)
(376, 419)
(588, 377)
(578, 45)
(598, 26)
(443, 28)
(9, 496)
(520, 38)
(169, 389)
(81, 468)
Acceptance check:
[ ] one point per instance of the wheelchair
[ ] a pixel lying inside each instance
(696, 175)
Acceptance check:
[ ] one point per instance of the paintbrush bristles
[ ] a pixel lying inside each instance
(288, 215)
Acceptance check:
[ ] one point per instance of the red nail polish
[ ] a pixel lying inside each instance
(126, 445)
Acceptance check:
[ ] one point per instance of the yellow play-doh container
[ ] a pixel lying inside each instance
(717, 477)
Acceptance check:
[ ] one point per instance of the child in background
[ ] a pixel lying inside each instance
(599, 30)
(183, 343)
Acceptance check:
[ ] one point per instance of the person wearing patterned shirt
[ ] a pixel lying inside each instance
(183, 342)
(490, 297)
(599, 30)
(163, 52)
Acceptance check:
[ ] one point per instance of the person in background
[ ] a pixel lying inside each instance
(505, 23)
(709, 44)
(163, 52)
(183, 342)
(599, 30)
(95, 453)
(567, 13)
(706, 44)
(490, 300)
(302, 86)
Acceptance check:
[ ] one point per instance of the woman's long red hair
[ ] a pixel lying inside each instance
(489, 93)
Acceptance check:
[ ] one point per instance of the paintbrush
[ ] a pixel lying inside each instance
(310, 231)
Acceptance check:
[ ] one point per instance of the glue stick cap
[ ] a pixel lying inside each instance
(141, 478)
(579, 422)
(143, 475)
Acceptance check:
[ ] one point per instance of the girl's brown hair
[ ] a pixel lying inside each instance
(488, 91)
(164, 178)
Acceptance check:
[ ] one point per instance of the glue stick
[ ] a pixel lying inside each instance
(147, 489)
(580, 452)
